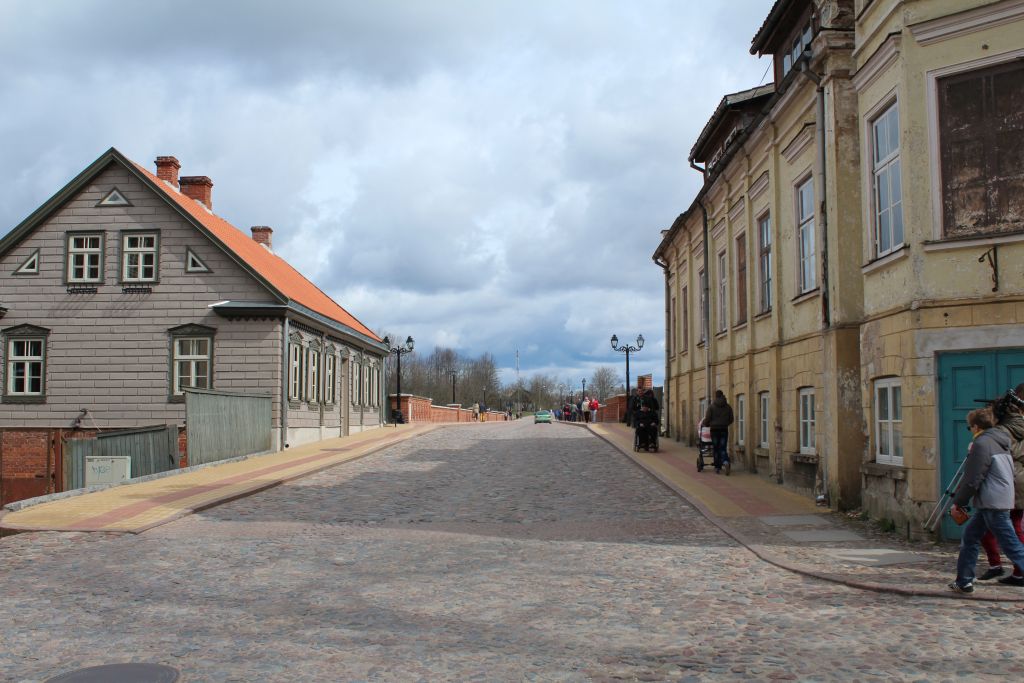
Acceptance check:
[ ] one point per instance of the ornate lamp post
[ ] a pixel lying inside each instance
(584, 394)
(399, 351)
(453, 372)
(627, 349)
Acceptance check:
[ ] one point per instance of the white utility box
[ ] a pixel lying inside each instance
(107, 469)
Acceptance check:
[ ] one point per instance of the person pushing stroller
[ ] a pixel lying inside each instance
(718, 418)
(646, 420)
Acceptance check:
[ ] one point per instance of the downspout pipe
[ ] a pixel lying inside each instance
(285, 332)
(819, 172)
(705, 286)
(668, 345)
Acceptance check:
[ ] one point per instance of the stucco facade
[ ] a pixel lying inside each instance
(902, 261)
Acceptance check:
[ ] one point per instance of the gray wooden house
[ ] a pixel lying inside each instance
(124, 289)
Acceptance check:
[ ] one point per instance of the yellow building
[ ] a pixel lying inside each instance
(863, 215)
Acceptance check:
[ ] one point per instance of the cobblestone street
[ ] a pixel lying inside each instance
(491, 552)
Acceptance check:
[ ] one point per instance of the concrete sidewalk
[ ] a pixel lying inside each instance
(135, 507)
(789, 531)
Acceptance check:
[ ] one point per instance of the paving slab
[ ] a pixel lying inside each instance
(796, 520)
(818, 536)
(878, 557)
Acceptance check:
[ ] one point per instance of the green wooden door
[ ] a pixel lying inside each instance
(964, 378)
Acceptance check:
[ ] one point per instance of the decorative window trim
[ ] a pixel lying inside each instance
(126, 235)
(967, 22)
(736, 209)
(330, 375)
(878, 63)
(741, 419)
(764, 283)
(179, 333)
(194, 264)
(24, 333)
(742, 269)
(723, 292)
(807, 281)
(758, 186)
(875, 170)
(895, 440)
(295, 368)
(114, 198)
(312, 374)
(806, 421)
(29, 266)
(799, 143)
(764, 405)
(69, 238)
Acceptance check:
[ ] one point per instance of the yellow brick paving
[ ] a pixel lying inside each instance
(676, 464)
(136, 507)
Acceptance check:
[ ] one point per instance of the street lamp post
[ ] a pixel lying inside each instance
(399, 351)
(453, 372)
(627, 349)
(584, 388)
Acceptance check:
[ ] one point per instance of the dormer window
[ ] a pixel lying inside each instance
(801, 41)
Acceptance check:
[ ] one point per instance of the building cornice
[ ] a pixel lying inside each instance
(969, 21)
(878, 63)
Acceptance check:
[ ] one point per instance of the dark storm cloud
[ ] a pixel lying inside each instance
(484, 175)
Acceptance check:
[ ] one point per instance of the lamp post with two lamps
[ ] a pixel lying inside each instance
(627, 349)
(396, 413)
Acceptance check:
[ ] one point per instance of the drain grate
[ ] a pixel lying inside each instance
(120, 673)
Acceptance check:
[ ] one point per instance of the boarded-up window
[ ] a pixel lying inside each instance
(981, 127)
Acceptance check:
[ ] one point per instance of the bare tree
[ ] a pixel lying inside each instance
(604, 383)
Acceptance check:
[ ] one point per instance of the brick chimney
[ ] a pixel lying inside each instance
(262, 234)
(199, 188)
(167, 169)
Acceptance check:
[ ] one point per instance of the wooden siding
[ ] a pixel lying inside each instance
(222, 425)
(109, 352)
(152, 450)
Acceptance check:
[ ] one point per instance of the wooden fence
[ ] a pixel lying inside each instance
(221, 425)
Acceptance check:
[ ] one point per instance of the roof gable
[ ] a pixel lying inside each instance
(271, 270)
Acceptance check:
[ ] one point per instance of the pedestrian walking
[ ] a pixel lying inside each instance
(594, 405)
(586, 409)
(987, 482)
(718, 419)
(1008, 414)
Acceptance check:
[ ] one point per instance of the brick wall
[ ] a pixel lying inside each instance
(420, 409)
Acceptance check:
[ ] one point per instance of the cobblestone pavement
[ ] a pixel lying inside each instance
(490, 552)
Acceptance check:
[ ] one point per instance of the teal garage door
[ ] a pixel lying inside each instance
(963, 379)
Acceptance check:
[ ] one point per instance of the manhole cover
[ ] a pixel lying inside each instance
(120, 673)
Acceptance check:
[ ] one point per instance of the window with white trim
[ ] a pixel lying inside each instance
(192, 363)
(741, 419)
(889, 421)
(294, 371)
(741, 279)
(85, 258)
(330, 376)
(26, 367)
(702, 283)
(685, 319)
(312, 375)
(764, 230)
(353, 379)
(805, 231)
(807, 432)
(723, 294)
(763, 401)
(138, 257)
(888, 190)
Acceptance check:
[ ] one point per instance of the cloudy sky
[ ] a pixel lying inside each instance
(488, 175)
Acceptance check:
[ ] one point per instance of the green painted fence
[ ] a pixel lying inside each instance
(152, 450)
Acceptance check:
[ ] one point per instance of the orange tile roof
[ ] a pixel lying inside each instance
(274, 269)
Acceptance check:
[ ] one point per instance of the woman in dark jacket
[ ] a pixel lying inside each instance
(718, 419)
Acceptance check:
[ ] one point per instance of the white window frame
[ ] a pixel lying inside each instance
(191, 358)
(312, 375)
(330, 377)
(764, 401)
(886, 170)
(144, 254)
(741, 419)
(702, 275)
(764, 262)
(295, 371)
(808, 269)
(889, 421)
(723, 292)
(26, 362)
(806, 431)
(353, 382)
(84, 253)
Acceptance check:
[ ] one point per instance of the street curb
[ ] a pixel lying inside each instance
(774, 559)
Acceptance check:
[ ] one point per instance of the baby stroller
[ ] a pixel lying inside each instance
(705, 452)
(646, 435)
